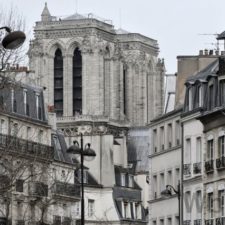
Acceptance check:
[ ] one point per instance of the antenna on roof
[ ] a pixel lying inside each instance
(217, 44)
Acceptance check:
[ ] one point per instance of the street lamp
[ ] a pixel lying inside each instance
(85, 153)
(168, 193)
(13, 39)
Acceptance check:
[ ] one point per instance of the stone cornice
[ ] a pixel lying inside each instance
(178, 147)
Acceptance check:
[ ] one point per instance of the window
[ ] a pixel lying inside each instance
(90, 207)
(187, 201)
(169, 221)
(169, 177)
(221, 146)
(154, 222)
(210, 205)
(15, 129)
(130, 180)
(127, 213)
(198, 149)
(162, 182)
(154, 140)
(210, 149)
(161, 221)
(2, 126)
(137, 212)
(199, 204)
(56, 220)
(222, 92)
(221, 202)
(162, 138)
(26, 106)
(177, 176)
(13, 101)
(211, 97)
(189, 99)
(188, 151)
(77, 208)
(40, 136)
(28, 135)
(177, 131)
(169, 135)
(155, 186)
(38, 107)
(19, 185)
(58, 82)
(85, 176)
(123, 179)
(198, 98)
(77, 82)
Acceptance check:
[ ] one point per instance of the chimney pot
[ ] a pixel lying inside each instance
(200, 52)
(206, 51)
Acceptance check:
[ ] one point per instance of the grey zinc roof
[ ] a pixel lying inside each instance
(221, 36)
(208, 71)
(138, 149)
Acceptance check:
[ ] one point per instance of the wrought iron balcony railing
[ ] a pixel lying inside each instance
(25, 147)
(187, 169)
(209, 166)
(198, 222)
(209, 222)
(38, 189)
(187, 222)
(197, 168)
(220, 221)
(66, 189)
(220, 163)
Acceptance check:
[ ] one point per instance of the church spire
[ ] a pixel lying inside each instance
(45, 16)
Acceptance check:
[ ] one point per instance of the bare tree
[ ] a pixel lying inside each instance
(15, 21)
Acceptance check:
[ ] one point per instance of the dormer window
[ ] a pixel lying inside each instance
(222, 92)
(123, 179)
(210, 97)
(26, 106)
(189, 99)
(199, 96)
(131, 180)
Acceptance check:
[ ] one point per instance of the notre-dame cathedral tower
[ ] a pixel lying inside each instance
(90, 68)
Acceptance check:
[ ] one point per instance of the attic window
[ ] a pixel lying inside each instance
(222, 92)
(211, 97)
(199, 96)
(123, 179)
(189, 99)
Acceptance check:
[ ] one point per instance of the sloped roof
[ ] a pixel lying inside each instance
(203, 75)
(121, 31)
(221, 36)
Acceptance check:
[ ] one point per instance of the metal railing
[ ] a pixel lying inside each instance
(220, 221)
(220, 162)
(66, 189)
(187, 169)
(198, 222)
(209, 222)
(187, 222)
(25, 147)
(209, 166)
(197, 168)
(38, 189)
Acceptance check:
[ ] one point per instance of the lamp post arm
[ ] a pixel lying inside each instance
(6, 28)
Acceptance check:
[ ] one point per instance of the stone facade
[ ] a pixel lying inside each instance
(122, 78)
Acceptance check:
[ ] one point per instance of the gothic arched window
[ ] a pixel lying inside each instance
(58, 82)
(77, 82)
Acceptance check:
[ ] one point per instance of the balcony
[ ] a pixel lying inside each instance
(209, 166)
(187, 169)
(25, 147)
(66, 190)
(209, 222)
(198, 222)
(38, 189)
(220, 221)
(197, 168)
(187, 222)
(220, 163)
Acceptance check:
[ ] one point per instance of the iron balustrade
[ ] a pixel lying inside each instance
(38, 189)
(220, 163)
(198, 222)
(197, 168)
(209, 166)
(187, 222)
(187, 169)
(209, 222)
(220, 221)
(66, 189)
(24, 147)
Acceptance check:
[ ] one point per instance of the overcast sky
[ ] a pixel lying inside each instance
(175, 24)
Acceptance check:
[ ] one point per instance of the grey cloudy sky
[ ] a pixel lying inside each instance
(176, 24)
